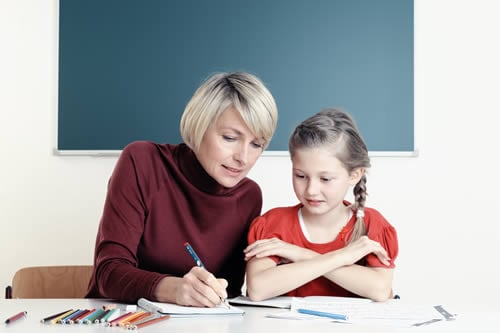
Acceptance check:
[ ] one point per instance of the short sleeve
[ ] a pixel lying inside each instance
(256, 230)
(386, 235)
(259, 231)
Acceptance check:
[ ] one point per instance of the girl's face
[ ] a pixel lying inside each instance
(320, 181)
(229, 149)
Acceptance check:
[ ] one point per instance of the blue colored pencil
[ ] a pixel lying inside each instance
(323, 314)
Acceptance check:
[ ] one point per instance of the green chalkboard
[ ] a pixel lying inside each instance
(127, 68)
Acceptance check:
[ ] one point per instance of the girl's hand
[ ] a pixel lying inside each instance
(360, 248)
(199, 287)
(275, 247)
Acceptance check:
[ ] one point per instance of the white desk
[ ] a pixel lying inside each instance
(253, 321)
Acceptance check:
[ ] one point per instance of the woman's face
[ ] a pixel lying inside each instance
(229, 149)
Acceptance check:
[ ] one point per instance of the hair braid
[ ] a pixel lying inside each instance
(360, 194)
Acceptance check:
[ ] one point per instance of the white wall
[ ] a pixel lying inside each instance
(441, 202)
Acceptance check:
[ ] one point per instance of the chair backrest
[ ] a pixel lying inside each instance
(51, 281)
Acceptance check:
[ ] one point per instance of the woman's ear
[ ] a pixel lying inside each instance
(356, 175)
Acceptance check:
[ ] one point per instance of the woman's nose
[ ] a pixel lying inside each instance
(241, 154)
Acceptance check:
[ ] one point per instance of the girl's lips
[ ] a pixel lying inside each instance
(314, 202)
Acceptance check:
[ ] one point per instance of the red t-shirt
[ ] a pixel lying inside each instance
(283, 223)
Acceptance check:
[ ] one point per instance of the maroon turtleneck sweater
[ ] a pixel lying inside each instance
(159, 197)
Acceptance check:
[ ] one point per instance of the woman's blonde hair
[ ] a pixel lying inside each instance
(242, 91)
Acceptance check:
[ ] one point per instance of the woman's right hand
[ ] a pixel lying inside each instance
(198, 287)
(362, 247)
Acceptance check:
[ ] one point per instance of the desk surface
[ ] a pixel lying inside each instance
(253, 321)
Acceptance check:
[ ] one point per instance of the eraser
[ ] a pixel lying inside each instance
(131, 308)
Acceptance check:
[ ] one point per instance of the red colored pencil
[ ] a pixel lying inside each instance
(82, 314)
(81, 319)
(15, 317)
(115, 322)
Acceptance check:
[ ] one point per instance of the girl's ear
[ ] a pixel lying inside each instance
(356, 175)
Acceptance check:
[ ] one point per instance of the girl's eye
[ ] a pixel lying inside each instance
(300, 176)
(325, 179)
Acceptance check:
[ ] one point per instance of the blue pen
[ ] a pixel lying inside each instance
(193, 254)
(323, 314)
(199, 263)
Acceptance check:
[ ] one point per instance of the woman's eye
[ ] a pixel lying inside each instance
(228, 138)
(257, 145)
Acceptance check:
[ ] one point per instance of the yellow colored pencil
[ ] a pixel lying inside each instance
(56, 319)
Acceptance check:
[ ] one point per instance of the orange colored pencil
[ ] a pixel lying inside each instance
(132, 316)
(148, 322)
(142, 317)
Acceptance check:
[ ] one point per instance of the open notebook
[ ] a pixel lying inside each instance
(175, 310)
(285, 302)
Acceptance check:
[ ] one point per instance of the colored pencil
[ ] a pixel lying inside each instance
(130, 318)
(90, 319)
(63, 319)
(46, 319)
(56, 319)
(69, 319)
(97, 320)
(143, 317)
(110, 315)
(15, 317)
(81, 315)
(115, 314)
(115, 321)
(81, 320)
(148, 322)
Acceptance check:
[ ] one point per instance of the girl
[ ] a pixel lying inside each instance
(324, 245)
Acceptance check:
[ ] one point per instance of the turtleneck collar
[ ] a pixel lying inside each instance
(194, 172)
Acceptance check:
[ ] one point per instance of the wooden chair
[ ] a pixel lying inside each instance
(51, 282)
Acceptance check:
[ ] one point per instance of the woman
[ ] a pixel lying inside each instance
(162, 195)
